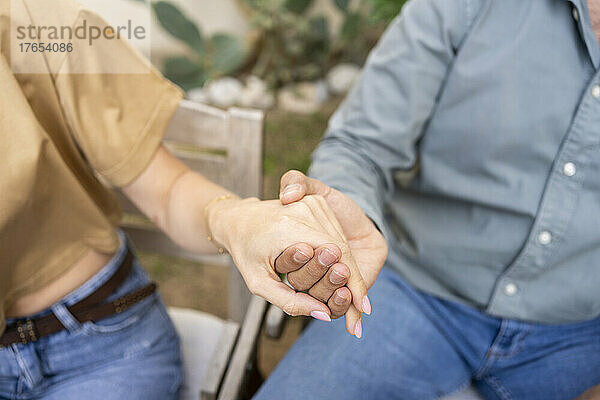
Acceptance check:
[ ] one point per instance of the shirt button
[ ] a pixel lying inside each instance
(569, 169)
(596, 91)
(545, 237)
(575, 14)
(510, 289)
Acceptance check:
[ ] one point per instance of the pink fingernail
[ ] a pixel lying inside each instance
(358, 329)
(366, 305)
(300, 257)
(321, 316)
(336, 278)
(291, 189)
(339, 300)
(327, 257)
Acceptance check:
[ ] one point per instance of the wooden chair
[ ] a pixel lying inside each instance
(226, 147)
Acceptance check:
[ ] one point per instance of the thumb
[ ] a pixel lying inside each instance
(295, 185)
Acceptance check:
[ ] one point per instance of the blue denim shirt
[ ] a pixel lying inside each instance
(472, 139)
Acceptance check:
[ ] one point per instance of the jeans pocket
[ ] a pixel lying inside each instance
(121, 321)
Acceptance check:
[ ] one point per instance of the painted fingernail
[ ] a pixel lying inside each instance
(336, 278)
(321, 316)
(366, 305)
(291, 189)
(358, 329)
(300, 257)
(339, 300)
(327, 257)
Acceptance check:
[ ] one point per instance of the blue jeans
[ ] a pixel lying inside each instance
(132, 355)
(416, 346)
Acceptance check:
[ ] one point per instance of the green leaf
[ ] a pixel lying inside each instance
(386, 10)
(184, 72)
(178, 25)
(189, 82)
(228, 53)
(351, 26)
(320, 27)
(342, 4)
(180, 66)
(298, 6)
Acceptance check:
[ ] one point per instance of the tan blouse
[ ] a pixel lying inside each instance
(61, 134)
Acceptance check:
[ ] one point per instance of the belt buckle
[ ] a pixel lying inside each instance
(26, 331)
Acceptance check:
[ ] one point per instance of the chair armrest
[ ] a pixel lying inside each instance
(274, 322)
(215, 372)
(245, 351)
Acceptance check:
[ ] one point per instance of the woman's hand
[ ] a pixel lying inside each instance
(364, 240)
(256, 232)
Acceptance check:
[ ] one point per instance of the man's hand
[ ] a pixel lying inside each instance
(592, 394)
(366, 243)
(319, 272)
(256, 232)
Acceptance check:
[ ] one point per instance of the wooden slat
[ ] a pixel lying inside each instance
(245, 151)
(215, 372)
(244, 351)
(274, 322)
(239, 295)
(212, 167)
(200, 125)
(245, 155)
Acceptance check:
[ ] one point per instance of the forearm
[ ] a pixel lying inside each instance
(174, 198)
(184, 215)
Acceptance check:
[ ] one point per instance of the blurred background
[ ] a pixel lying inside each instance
(294, 59)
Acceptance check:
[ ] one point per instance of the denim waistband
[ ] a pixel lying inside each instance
(97, 280)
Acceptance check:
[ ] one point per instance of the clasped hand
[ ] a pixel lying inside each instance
(302, 235)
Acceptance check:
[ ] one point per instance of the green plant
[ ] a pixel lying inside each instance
(386, 10)
(292, 46)
(207, 57)
(298, 45)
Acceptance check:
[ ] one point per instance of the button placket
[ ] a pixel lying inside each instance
(557, 207)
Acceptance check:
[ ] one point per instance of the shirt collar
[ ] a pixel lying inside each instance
(585, 29)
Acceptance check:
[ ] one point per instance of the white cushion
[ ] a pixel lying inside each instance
(469, 393)
(200, 334)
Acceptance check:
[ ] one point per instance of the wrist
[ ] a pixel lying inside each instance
(216, 214)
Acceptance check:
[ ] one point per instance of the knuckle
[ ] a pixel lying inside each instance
(254, 286)
(300, 206)
(316, 270)
(291, 308)
(319, 198)
(291, 175)
(344, 247)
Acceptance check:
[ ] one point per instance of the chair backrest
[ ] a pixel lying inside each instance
(224, 146)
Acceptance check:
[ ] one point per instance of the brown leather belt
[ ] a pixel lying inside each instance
(89, 309)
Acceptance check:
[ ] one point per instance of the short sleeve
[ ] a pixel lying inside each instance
(117, 119)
